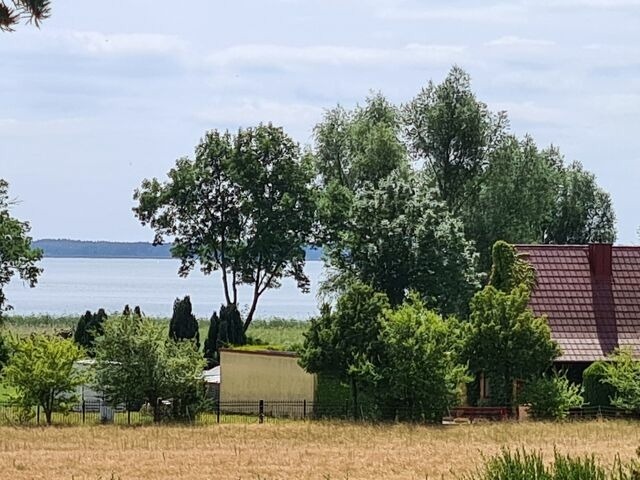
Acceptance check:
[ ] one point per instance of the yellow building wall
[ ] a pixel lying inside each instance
(269, 376)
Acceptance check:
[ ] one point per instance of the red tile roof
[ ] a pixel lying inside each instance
(590, 313)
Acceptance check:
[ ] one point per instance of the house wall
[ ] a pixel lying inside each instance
(269, 376)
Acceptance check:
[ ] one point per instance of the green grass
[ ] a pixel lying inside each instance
(272, 333)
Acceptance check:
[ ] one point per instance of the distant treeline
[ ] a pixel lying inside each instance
(88, 249)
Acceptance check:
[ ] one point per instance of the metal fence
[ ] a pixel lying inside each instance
(262, 411)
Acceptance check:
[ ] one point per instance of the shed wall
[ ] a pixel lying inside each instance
(253, 376)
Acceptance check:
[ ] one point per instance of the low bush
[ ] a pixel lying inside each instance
(597, 392)
(523, 465)
(551, 397)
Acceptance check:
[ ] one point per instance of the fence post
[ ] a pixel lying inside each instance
(128, 415)
(218, 411)
(84, 411)
(261, 411)
(304, 408)
(38, 414)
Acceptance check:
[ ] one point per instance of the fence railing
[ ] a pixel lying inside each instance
(262, 411)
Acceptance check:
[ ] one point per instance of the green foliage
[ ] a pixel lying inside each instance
(623, 374)
(583, 212)
(516, 197)
(137, 362)
(406, 361)
(420, 373)
(506, 341)
(244, 205)
(16, 254)
(90, 326)
(400, 236)
(597, 392)
(331, 391)
(551, 397)
(508, 270)
(4, 352)
(41, 371)
(224, 330)
(453, 131)
(359, 147)
(34, 11)
(343, 342)
(183, 324)
(523, 465)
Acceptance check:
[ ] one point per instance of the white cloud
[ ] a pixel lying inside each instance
(126, 43)
(515, 41)
(285, 56)
(497, 13)
(600, 4)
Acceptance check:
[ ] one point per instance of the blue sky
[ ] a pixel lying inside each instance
(100, 98)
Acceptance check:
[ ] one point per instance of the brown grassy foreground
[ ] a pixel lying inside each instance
(295, 450)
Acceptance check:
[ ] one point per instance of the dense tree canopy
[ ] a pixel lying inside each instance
(421, 373)
(400, 236)
(244, 205)
(453, 133)
(137, 362)
(16, 254)
(42, 372)
(583, 212)
(504, 339)
(345, 342)
(34, 11)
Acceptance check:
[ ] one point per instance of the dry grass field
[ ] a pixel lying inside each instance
(296, 450)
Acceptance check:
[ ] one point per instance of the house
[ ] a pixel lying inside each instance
(591, 297)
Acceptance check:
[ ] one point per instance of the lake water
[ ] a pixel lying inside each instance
(74, 285)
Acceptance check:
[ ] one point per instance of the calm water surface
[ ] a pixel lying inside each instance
(73, 285)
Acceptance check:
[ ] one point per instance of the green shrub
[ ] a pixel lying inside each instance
(183, 324)
(596, 391)
(89, 327)
(521, 465)
(224, 330)
(552, 396)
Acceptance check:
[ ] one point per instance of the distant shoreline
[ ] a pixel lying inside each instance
(66, 248)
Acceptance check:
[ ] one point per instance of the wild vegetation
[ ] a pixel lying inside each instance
(299, 450)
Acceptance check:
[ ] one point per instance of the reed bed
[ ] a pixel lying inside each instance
(297, 450)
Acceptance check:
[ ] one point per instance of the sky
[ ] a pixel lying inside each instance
(100, 97)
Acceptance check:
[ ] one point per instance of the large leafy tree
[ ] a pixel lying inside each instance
(354, 149)
(516, 198)
(400, 236)
(16, 254)
(421, 373)
(244, 205)
(453, 132)
(41, 371)
(34, 11)
(583, 212)
(345, 342)
(137, 362)
(505, 340)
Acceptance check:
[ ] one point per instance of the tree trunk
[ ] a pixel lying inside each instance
(47, 414)
(254, 304)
